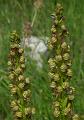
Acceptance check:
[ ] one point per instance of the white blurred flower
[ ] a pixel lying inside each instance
(37, 47)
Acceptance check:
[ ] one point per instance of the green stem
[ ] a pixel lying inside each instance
(34, 17)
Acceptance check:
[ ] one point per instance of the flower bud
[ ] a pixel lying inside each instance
(66, 111)
(21, 85)
(14, 45)
(51, 75)
(12, 53)
(18, 114)
(21, 78)
(23, 66)
(68, 48)
(75, 117)
(53, 85)
(22, 59)
(56, 77)
(20, 50)
(54, 40)
(72, 90)
(58, 58)
(51, 63)
(64, 45)
(59, 89)
(29, 92)
(27, 80)
(65, 85)
(71, 97)
(11, 76)
(28, 111)
(18, 70)
(50, 46)
(69, 63)
(56, 104)
(14, 90)
(56, 113)
(66, 56)
(53, 29)
(9, 63)
(15, 108)
(11, 85)
(56, 22)
(33, 111)
(69, 72)
(26, 93)
(63, 67)
(63, 27)
(13, 103)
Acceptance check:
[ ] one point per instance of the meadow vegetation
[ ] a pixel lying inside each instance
(13, 15)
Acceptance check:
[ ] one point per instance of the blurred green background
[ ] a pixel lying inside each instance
(13, 14)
